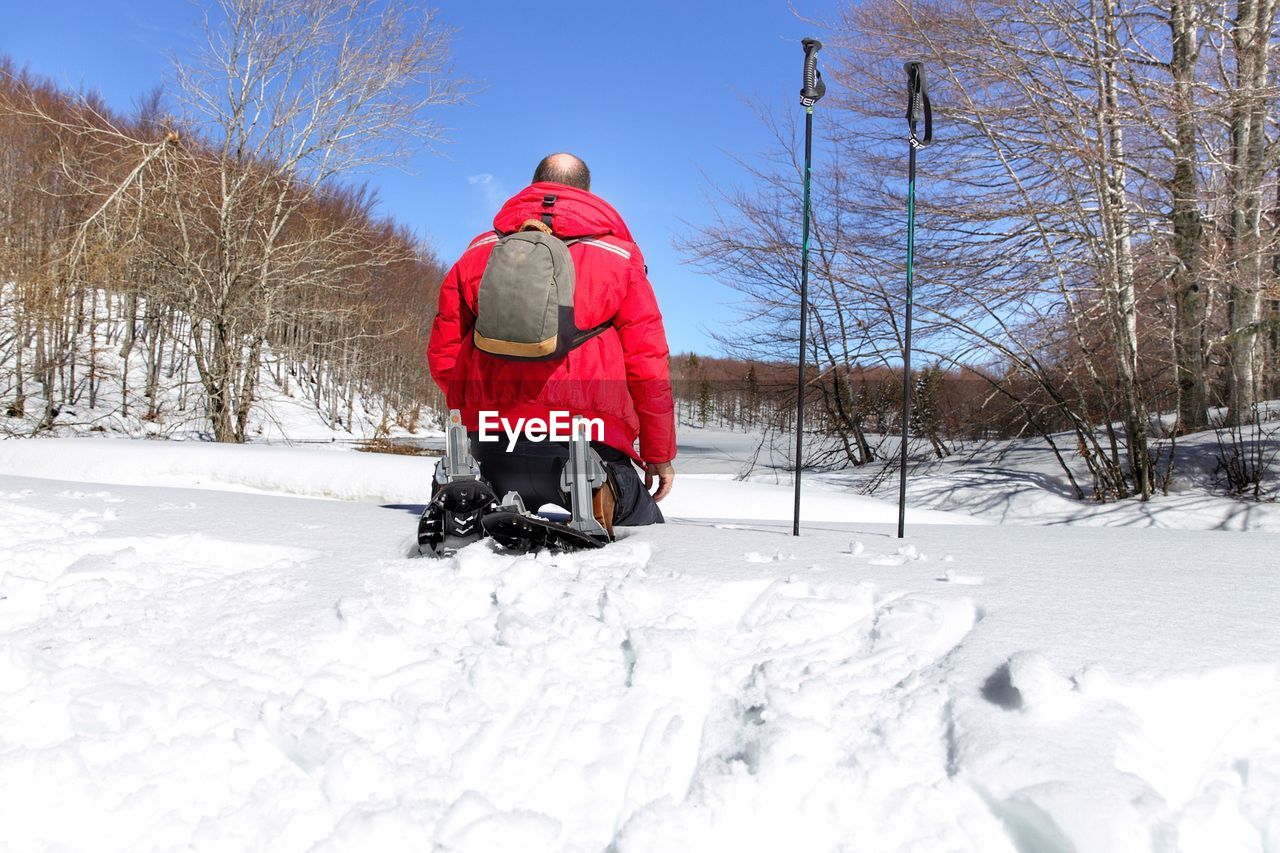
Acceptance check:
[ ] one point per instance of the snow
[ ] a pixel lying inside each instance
(307, 471)
(1009, 482)
(194, 656)
(322, 472)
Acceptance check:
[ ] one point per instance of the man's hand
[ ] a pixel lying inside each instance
(666, 474)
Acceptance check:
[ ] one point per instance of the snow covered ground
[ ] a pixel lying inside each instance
(190, 659)
(1018, 481)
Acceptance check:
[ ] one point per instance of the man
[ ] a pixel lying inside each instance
(616, 377)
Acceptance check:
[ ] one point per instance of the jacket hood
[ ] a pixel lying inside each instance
(576, 213)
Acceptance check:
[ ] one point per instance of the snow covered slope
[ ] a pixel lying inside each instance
(201, 669)
(293, 402)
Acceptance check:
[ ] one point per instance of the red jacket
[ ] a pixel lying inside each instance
(619, 376)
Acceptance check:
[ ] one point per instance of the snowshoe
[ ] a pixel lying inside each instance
(459, 497)
(453, 518)
(524, 531)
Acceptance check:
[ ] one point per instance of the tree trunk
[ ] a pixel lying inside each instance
(248, 390)
(1119, 265)
(1251, 41)
(93, 347)
(130, 338)
(18, 408)
(1188, 315)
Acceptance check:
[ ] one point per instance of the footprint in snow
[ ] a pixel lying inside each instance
(951, 576)
(757, 557)
(77, 494)
(905, 554)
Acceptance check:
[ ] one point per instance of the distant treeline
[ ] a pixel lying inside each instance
(856, 405)
(853, 417)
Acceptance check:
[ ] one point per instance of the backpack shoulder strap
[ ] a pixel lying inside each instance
(585, 335)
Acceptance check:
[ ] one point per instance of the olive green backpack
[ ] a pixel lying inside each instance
(524, 309)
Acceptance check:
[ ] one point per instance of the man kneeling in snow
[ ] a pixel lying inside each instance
(609, 368)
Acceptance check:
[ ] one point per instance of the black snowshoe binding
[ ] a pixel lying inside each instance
(512, 526)
(453, 518)
(459, 498)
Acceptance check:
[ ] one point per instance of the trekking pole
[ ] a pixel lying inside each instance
(917, 107)
(812, 91)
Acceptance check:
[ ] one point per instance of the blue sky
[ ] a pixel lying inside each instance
(650, 95)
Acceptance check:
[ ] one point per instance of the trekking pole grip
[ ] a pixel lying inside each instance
(918, 106)
(814, 88)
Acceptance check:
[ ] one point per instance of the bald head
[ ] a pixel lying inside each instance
(563, 169)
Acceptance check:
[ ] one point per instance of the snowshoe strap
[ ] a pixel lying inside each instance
(582, 474)
(458, 463)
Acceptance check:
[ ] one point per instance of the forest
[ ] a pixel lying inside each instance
(221, 232)
(1098, 249)
(1098, 215)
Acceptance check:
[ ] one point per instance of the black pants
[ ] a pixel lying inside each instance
(533, 468)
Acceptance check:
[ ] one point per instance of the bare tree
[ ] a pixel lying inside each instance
(295, 97)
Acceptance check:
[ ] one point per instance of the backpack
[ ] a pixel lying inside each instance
(524, 309)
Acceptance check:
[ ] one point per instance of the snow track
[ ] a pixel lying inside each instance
(206, 670)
